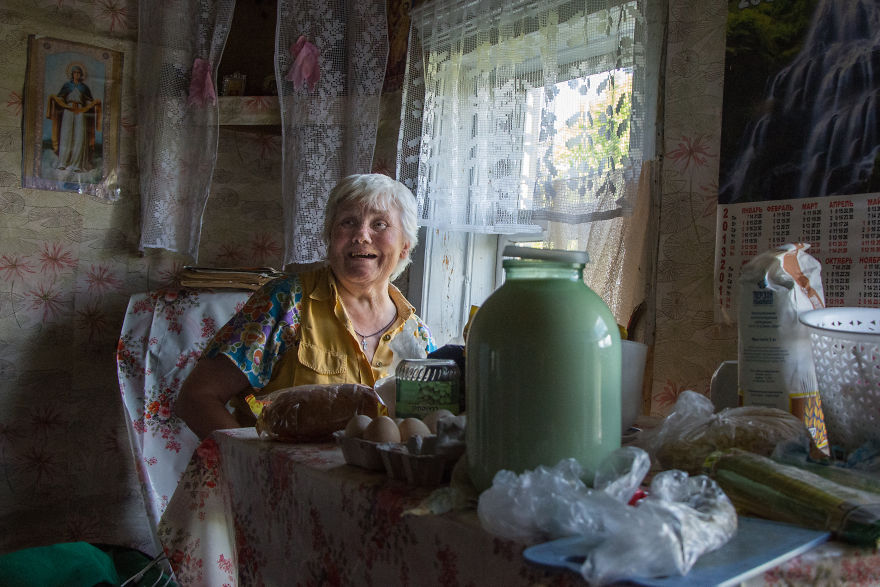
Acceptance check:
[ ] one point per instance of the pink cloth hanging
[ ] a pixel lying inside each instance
(201, 87)
(306, 68)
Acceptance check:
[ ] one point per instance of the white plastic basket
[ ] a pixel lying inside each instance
(846, 352)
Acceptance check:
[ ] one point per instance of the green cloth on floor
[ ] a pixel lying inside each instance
(69, 564)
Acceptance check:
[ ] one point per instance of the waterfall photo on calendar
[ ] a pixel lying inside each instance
(800, 100)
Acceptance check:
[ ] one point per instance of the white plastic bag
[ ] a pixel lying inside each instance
(663, 534)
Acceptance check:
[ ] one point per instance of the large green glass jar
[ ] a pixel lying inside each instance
(543, 370)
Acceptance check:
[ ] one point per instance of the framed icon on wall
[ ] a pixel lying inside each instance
(71, 118)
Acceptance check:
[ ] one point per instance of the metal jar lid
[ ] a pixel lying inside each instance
(556, 255)
(427, 370)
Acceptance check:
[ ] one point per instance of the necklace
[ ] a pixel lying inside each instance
(364, 337)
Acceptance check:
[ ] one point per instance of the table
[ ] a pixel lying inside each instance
(257, 512)
(251, 512)
(163, 334)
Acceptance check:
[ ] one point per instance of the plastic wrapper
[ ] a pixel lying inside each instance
(312, 413)
(775, 366)
(692, 431)
(663, 534)
(865, 458)
(785, 493)
(850, 472)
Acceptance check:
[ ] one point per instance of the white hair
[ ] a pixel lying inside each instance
(380, 192)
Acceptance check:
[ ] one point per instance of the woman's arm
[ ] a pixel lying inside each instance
(203, 395)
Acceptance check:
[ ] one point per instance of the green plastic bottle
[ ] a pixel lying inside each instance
(543, 370)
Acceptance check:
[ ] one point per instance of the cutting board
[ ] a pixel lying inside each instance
(758, 545)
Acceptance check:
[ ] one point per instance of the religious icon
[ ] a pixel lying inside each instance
(71, 117)
(75, 116)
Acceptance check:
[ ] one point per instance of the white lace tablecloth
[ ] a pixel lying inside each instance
(163, 335)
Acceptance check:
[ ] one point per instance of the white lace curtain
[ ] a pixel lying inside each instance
(522, 111)
(328, 122)
(329, 126)
(179, 46)
(536, 116)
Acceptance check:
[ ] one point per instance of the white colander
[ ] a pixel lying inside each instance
(846, 352)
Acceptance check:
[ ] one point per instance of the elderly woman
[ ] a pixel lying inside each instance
(341, 323)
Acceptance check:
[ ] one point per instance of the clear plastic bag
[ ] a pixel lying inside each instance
(692, 431)
(662, 534)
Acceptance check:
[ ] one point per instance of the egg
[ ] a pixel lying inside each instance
(356, 426)
(382, 429)
(431, 419)
(413, 427)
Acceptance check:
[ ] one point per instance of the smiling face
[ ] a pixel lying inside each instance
(366, 245)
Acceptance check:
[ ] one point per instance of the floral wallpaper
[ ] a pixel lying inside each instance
(688, 344)
(69, 263)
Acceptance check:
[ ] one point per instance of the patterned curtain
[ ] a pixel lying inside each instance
(330, 65)
(179, 48)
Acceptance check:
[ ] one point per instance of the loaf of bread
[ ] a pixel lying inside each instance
(312, 413)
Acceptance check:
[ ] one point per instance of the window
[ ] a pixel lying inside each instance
(525, 122)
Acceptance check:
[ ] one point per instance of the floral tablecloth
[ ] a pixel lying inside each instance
(163, 335)
(256, 512)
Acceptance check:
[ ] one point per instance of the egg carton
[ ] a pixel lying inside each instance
(422, 470)
(418, 468)
(359, 452)
(419, 462)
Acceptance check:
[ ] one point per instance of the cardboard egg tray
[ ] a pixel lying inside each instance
(397, 461)
(359, 452)
(422, 470)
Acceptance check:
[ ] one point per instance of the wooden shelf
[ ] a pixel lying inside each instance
(249, 110)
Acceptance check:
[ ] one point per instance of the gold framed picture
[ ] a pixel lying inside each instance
(234, 84)
(71, 117)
